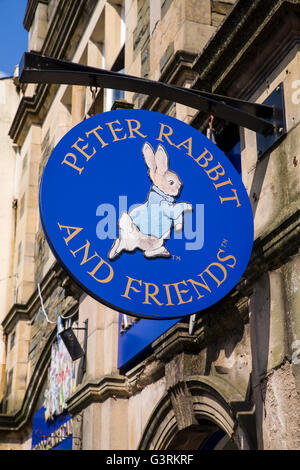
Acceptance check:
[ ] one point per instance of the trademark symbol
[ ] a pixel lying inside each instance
(224, 243)
(176, 258)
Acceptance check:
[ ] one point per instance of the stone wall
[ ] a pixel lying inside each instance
(56, 304)
(219, 10)
(157, 30)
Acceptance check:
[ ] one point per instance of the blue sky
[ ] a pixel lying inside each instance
(13, 35)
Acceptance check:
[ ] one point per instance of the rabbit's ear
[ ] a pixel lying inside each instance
(148, 153)
(161, 159)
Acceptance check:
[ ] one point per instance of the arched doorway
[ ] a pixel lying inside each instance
(205, 436)
(218, 440)
(195, 415)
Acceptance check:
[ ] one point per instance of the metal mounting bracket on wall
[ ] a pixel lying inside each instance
(266, 142)
(260, 118)
(72, 344)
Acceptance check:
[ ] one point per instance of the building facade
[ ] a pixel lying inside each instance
(231, 379)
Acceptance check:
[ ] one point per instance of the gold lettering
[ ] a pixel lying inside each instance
(229, 257)
(110, 275)
(72, 163)
(85, 259)
(208, 271)
(81, 150)
(224, 183)
(86, 248)
(196, 283)
(134, 129)
(94, 131)
(76, 230)
(206, 160)
(152, 295)
(113, 131)
(179, 292)
(233, 198)
(167, 287)
(129, 286)
(215, 170)
(188, 147)
(69, 427)
(165, 134)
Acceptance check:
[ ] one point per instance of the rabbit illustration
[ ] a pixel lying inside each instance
(148, 225)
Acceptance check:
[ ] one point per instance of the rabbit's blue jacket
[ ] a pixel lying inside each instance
(157, 214)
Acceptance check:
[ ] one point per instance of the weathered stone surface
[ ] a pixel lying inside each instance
(165, 5)
(292, 283)
(56, 304)
(166, 55)
(199, 12)
(216, 18)
(221, 7)
(141, 32)
(281, 428)
(41, 254)
(145, 61)
(77, 431)
(182, 402)
(138, 413)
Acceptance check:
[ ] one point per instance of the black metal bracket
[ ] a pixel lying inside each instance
(266, 142)
(36, 68)
(72, 343)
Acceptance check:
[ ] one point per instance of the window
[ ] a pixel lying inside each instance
(9, 382)
(12, 340)
(19, 252)
(22, 205)
(25, 160)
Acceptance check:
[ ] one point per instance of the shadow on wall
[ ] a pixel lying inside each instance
(232, 324)
(257, 182)
(260, 306)
(232, 330)
(259, 316)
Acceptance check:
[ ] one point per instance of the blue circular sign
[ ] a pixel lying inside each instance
(146, 214)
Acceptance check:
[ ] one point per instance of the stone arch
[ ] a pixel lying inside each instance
(189, 411)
